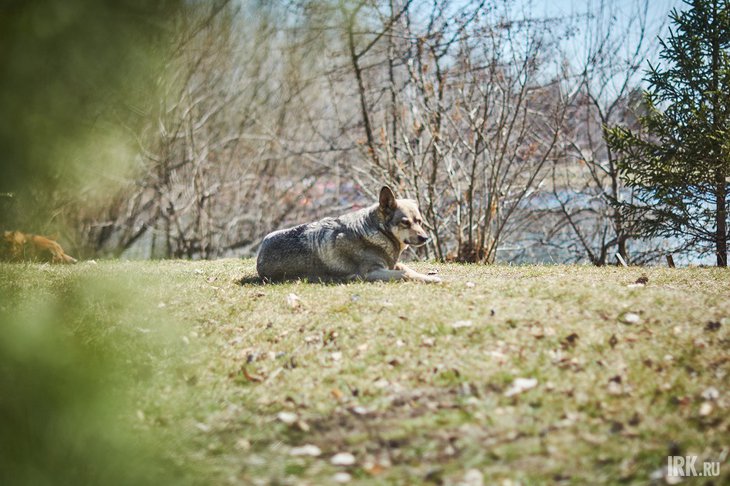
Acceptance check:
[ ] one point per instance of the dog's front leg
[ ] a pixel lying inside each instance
(410, 274)
(384, 275)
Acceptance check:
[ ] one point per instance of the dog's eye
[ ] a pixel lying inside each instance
(405, 222)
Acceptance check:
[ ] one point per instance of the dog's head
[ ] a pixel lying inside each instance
(402, 218)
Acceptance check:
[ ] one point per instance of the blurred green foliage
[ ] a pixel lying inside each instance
(78, 77)
(75, 360)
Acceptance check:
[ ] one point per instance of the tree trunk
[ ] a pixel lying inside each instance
(721, 218)
(719, 162)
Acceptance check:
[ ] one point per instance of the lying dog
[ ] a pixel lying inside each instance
(19, 246)
(364, 244)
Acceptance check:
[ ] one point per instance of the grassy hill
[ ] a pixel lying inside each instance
(175, 371)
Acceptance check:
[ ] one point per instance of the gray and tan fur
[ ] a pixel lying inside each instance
(364, 244)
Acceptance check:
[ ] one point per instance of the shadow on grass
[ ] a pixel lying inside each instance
(255, 280)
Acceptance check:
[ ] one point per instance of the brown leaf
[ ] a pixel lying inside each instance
(613, 341)
(293, 301)
(570, 340)
(643, 280)
(250, 377)
(712, 326)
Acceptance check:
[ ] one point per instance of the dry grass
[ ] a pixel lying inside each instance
(414, 380)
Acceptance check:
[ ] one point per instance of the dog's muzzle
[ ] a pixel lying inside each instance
(420, 241)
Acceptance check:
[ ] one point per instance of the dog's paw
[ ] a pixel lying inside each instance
(432, 279)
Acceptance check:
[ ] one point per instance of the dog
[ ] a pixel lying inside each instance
(18, 246)
(360, 245)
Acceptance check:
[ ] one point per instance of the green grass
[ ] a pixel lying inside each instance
(203, 366)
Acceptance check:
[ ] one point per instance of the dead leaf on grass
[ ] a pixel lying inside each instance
(342, 459)
(250, 377)
(570, 341)
(460, 324)
(342, 477)
(711, 394)
(705, 409)
(520, 385)
(713, 326)
(613, 341)
(293, 301)
(306, 450)
(288, 418)
(629, 318)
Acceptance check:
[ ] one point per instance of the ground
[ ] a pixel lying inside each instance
(502, 375)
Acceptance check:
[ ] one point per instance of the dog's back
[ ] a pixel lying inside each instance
(329, 249)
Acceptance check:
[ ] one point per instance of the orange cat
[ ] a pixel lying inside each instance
(19, 246)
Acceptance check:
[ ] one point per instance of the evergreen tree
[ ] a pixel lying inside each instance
(678, 164)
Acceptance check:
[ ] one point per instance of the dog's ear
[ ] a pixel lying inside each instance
(387, 199)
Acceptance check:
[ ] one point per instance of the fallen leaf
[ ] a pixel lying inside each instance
(343, 459)
(472, 477)
(713, 326)
(359, 410)
(711, 394)
(520, 385)
(629, 318)
(615, 388)
(613, 341)
(250, 377)
(570, 340)
(374, 469)
(705, 409)
(643, 280)
(288, 418)
(471, 285)
(306, 450)
(337, 394)
(342, 477)
(293, 301)
(460, 324)
(243, 444)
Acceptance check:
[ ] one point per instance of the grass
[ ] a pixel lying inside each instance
(226, 381)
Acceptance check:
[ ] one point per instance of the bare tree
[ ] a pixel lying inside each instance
(585, 181)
